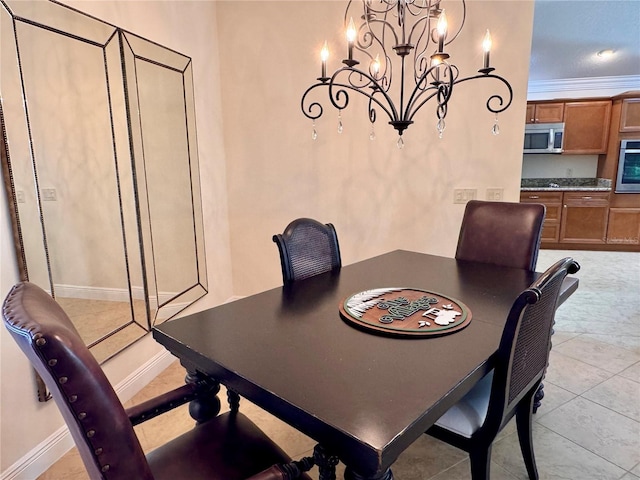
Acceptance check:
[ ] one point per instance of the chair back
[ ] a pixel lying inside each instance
(523, 354)
(95, 416)
(501, 233)
(307, 248)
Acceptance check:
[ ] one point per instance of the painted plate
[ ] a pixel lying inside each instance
(405, 312)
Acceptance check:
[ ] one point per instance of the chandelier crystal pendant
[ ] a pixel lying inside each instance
(403, 63)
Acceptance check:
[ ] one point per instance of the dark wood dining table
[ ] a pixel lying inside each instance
(363, 396)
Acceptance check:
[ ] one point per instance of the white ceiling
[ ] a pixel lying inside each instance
(567, 34)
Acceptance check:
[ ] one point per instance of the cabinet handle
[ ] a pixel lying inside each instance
(534, 196)
(586, 198)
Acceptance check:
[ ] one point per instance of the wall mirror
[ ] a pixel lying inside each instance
(101, 170)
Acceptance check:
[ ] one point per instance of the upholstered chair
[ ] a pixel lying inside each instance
(227, 447)
(501, 233)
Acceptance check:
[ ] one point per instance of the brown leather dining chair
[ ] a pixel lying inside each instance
(501, 233)
(307, 248)
(227, 447)
(508, 390)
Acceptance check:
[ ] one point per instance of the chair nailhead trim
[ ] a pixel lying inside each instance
(63, 380)
(40, 342)
(91, 433)
(53, 362)
(73, 398)
(98, 451)
(105, 468)
(82, 415)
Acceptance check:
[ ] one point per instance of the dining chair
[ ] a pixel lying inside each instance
(508, 390)
(307, 248)
(501, 233)
(227, 447)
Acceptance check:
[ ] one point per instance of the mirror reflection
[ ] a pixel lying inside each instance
(102, 168)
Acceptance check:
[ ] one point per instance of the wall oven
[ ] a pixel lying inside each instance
(543, 137)
(628, 180)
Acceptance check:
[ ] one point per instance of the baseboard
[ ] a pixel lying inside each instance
(38, 460)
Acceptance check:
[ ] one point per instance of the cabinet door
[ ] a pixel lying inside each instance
(586, 129)
(531, 113)
(584, 217)
(553, 204)
(548, 112)
(624, 226)
(630, 116)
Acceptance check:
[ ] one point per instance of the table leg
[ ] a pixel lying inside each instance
(207, 405)
(234, 400)
(325, 462)
(351, 475)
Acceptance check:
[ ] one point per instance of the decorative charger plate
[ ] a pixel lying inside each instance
(405, 312)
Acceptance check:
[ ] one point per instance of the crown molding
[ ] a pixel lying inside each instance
(610, 85)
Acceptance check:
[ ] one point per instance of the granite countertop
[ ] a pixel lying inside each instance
(566, 184)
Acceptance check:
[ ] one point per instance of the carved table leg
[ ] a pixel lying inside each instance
(326, 463)
(207, 405)
(234, 400)
(351, 475)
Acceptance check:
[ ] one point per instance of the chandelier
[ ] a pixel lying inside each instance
(400, 44)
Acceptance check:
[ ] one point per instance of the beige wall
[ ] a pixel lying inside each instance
(260, 168)
(378, 197)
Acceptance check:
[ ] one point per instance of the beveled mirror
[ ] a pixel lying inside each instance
(100, 165)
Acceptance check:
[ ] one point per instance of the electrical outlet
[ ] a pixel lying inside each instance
(463, 195)
(49, 194)
(495, 194)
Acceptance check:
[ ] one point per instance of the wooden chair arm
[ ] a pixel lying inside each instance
(163, 403)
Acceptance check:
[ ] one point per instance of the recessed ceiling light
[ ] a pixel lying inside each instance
(608, 53)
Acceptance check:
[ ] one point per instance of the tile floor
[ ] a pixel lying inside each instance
(588, 427)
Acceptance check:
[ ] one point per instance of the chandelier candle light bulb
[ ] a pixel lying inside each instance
(351, 37)
(324, 56)
(442, 31)
(486, 47)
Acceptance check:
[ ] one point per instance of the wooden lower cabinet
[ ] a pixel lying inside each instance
(584, 217)
(624, 226)
(553, 203)
(574, 217)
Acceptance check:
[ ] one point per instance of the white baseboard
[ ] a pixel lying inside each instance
(38, 460)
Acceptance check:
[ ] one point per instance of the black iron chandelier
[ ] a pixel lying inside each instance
(409, 36)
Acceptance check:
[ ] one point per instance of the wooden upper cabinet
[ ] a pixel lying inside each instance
(545, 112)
(586, 129)
(630, 116)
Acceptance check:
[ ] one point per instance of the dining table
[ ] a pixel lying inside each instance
(364, 390)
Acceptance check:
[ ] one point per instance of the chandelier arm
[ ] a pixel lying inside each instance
(493, 97)
(391, 111)
(441, 89)
(313, 105)
(420, 89)
(464, 17)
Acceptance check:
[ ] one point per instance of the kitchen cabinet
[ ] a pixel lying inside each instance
(586, 127)
(545, 112)
(553, 203)
(584, 217)
(624, 226)
(630, 115)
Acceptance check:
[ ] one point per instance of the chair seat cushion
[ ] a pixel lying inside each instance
(466, 416)
(227, 447)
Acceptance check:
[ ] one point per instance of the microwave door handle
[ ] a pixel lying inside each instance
(551, 139)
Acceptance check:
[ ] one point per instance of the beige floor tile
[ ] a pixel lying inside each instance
(628, 342)
(632, 373)
(630, 476)
(604, 432)
(426, 458)
(557, 458)
(636, 470)
(573, 375)
(618, 394)
(554, 396)
(462, 471)
(598, 354)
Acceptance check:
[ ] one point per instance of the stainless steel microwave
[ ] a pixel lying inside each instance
(628, 179)
(543, 137)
